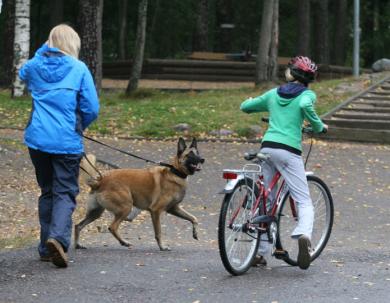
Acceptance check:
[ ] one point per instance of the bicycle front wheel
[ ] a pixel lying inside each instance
(238, 243)
(323, 221)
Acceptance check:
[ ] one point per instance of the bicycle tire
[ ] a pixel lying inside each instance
(237, 260)
(323, 222)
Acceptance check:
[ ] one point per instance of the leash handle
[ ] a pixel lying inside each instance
(93, 166)
(121, 151)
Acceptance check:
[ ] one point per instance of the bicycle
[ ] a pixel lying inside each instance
(246, 215)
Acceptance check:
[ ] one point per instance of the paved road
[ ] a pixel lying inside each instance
(353, 268)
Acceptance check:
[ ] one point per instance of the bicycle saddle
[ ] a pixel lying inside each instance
(252, 155)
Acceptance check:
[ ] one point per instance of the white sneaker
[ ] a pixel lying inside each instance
(304, 257)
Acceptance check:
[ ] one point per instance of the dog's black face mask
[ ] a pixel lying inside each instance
(190, 157)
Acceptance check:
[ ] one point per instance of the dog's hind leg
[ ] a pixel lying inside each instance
(94, 212)
(119, 217)
(181, 213)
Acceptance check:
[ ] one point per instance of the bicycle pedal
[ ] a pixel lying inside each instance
(261, 229)
(280, 254)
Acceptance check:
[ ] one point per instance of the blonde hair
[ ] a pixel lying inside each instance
(65, 39)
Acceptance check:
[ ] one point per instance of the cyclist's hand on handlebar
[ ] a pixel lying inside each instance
(325, 129)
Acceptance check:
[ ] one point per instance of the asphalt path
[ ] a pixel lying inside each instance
(354, 267)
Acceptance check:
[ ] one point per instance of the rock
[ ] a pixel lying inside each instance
(221, 132)
(182, 127)
(255, 130)
(381, 65)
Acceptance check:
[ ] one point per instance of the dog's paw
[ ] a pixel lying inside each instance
(78, 246)
(126, 244)
(165, 248)
(195, 235)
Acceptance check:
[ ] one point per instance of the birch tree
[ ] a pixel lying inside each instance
(21, 43)
(136, 68)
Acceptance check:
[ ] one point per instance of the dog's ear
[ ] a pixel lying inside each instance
(181, 146)
(194, 143)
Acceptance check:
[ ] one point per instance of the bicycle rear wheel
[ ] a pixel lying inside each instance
(238, 244)
(323, 221)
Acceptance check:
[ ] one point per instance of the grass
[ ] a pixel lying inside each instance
(153, 113)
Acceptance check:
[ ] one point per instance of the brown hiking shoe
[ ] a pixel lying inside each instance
(304, 257)
(59, 257)
(259, 261)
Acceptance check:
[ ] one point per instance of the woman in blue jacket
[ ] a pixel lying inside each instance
(65, 102)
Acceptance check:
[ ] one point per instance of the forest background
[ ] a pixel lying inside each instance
(322, 29)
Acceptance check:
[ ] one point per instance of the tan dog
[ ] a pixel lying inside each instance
(156, 189)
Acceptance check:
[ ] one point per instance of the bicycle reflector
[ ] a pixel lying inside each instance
(229, 175)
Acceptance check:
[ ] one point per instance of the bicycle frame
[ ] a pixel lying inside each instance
(233, 176)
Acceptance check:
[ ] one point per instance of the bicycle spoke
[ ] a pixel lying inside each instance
(323, 220)
(237, 246)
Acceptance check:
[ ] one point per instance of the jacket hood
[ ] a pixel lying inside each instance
(53, 65)
(289, 91)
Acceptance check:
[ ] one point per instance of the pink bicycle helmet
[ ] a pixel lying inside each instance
(302, 69)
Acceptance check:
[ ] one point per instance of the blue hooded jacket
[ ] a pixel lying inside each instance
(64, 99)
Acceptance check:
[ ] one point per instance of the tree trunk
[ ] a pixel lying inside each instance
(303, 47)
(378, 43)
(200, 39)
(7, 33)
(56, 12)
(263, 53)
(273, 59)
(122, 29)
(321, 25)
(90, 20)
(21, 43)
(340, 32)
(136, 69)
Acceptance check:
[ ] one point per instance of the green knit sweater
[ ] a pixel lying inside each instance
(285, 116)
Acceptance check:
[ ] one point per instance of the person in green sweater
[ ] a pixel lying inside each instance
(288, 106)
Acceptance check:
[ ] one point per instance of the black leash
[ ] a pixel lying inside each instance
(170, 166)
(122, 151)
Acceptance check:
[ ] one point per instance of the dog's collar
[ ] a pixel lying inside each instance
(174, 170)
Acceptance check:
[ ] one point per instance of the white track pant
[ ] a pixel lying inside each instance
(292, 169)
